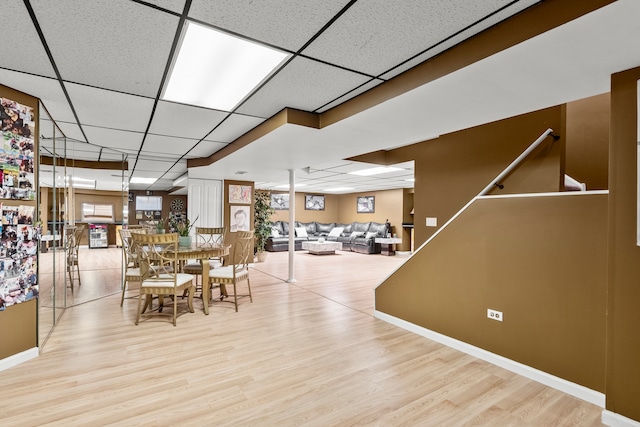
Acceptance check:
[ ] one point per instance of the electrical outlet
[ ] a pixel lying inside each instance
(494, 314)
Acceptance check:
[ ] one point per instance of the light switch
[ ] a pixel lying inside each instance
(432, 222)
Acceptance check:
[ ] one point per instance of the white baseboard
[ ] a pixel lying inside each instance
(616, 420)
(16, 359)
(545, 378)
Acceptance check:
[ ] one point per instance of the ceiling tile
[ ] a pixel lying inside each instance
(362, 89)
(234, 127)
(173, 5)
(168, 145)
(205, 149)
(22, 50)
(494, 19)
(114, 44)
(303, 84)
(71, 130)
(376, 35)
(116, 139)
(47, 89)
(170, 117)
(288, 24)
(109, 112)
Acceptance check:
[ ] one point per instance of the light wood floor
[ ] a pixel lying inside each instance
(304, 354)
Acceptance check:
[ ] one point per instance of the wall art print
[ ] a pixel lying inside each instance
(366, 204)
(240, 194)
(17, 151)
(314, 202)
(18, 255)
(280, 201)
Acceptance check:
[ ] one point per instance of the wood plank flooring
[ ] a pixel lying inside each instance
(303, 354)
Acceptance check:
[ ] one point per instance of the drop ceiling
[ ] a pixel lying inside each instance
(99, 68)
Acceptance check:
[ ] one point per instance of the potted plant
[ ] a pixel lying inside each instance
(183, 228)
(161, 225)
(262, 212)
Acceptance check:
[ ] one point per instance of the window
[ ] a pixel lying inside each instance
(148, 203)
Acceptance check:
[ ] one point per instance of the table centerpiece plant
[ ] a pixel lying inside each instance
(183, 227)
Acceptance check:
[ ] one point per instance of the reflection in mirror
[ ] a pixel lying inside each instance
(74, 175)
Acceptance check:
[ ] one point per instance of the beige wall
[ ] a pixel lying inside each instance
(389, 204)
(623, 339)
(540, 260)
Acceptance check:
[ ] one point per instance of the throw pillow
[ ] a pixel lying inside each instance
(355, 234)
(301, 232)
(275, 232)
(371, 234)
(336, 232)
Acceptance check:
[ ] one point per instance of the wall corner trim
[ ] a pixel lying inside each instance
(18, 358)
(542, 377)
(616, 420)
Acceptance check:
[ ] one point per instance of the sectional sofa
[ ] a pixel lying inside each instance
(355, 237)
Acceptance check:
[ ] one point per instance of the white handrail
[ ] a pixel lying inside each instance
(493, 183)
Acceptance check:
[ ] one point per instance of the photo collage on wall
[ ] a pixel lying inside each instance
(18, 255)
(17, 151)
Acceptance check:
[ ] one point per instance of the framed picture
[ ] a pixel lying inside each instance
(240, 194)
(313, 202)
(280, 201)
(366, 204)
(239, 218)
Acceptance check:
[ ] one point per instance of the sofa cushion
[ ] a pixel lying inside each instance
(301, 232)
(275, 232)
(310, 226)
(277, 226)
(371, 235)
(379, 228)
(285, 228)
(355, 234)
(324, 228)
(335, 232)
(361, 226)
(346, 228)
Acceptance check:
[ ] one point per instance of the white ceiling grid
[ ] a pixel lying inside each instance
(112, 54)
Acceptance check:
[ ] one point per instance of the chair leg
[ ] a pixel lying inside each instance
(124, 289)
(139, 308)
(175, 309)
(79, 278)
(235, 296)
(190, 299)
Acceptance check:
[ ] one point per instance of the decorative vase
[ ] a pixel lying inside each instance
(185, 241)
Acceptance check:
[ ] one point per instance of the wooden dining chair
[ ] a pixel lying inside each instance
(129, 259)
(238, 269)
(158, 257)
(205, 236)
(72, 245)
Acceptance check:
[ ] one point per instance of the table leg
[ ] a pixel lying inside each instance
(205, 284)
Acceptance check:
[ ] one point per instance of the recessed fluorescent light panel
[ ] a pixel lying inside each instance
(141, 180)
(375, 171)
(287, 186)
(339, 189)
(216, 70)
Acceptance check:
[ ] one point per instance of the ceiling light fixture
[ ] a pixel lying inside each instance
(141, 180)
(375, 171)
(338, 189)
(287, 186)
(217, 70)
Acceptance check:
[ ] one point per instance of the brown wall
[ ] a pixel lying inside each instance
(454, 168)
(18, 327)
(542, 261)
(623, 339)
(587, 141)
(166, 204)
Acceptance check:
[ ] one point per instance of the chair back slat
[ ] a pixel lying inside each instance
(157, 254)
